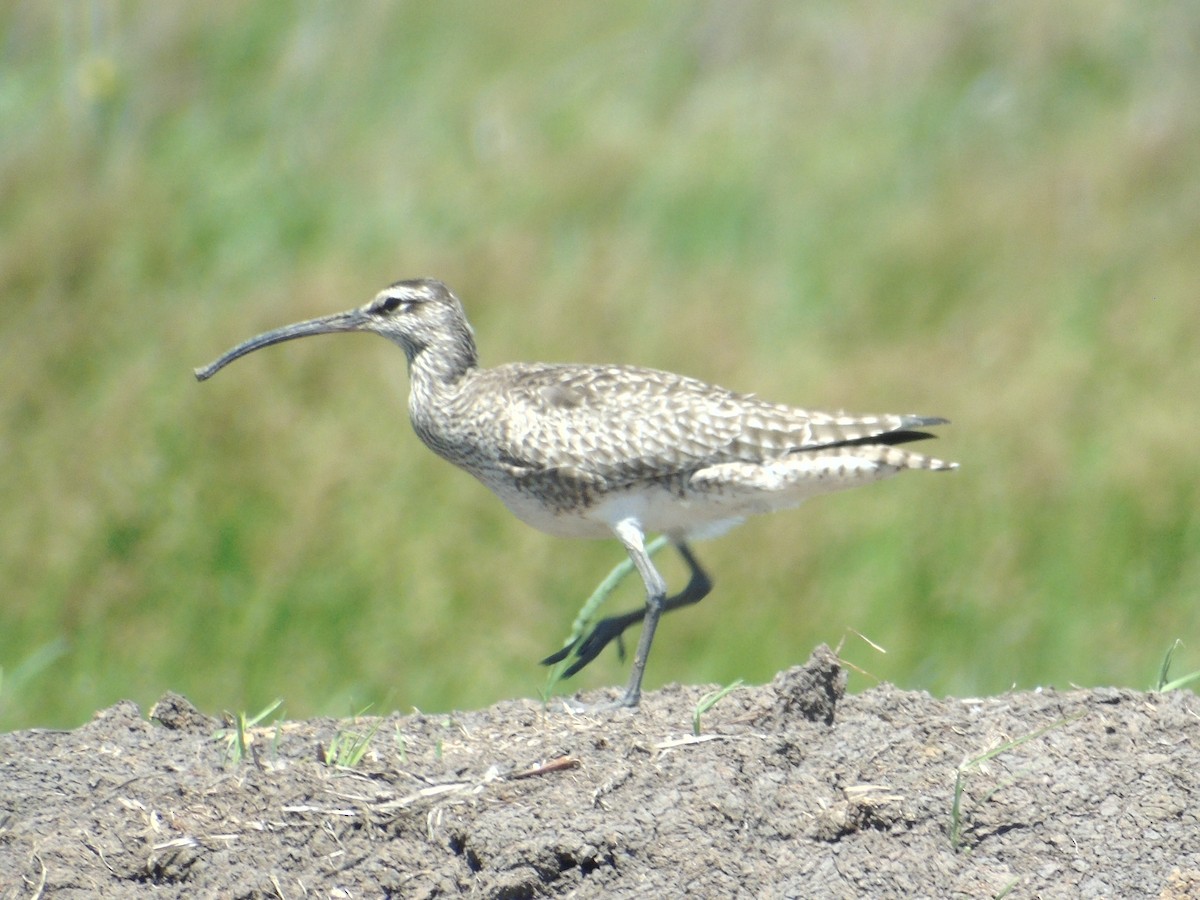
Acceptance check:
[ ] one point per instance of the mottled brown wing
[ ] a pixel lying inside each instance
(616, 424)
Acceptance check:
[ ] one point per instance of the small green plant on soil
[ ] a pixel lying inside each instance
(237, 736)
(957, 814)
(709, 700)
(348, 746)
(1163, 682)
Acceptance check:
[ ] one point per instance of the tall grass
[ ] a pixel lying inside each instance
(988, 212)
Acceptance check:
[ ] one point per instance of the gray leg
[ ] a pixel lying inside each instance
(630, 534)
(590, 645)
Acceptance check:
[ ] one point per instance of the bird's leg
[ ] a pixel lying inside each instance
(607, 630)
(630, 534)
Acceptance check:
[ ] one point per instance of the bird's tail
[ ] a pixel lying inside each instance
(877, 439)
(894, 457)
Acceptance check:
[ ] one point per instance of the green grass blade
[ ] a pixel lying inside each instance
(709, 700)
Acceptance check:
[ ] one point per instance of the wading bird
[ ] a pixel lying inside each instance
(595, 451)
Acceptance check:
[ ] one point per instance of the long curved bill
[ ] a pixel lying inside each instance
(351, 320)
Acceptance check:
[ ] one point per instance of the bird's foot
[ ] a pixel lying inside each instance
(579, 708)
(588, 647)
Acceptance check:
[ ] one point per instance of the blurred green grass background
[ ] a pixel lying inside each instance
(989, 212)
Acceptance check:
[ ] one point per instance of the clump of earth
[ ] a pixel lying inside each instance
(789, 789)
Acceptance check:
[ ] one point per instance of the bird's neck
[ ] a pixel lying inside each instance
(440, 375)
(443, 362)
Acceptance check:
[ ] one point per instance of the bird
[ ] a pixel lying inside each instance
(604, 451)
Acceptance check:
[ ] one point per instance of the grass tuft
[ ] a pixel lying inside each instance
(348, 746)
(960, 777)
(1162, 684)
(709, 700)
(237, 735)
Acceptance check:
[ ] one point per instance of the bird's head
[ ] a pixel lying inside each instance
(416, 314)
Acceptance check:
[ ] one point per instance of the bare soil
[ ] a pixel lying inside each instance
(791, 789)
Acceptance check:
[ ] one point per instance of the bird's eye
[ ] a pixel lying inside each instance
(390, 303)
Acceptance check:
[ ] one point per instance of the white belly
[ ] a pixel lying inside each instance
(712, 501)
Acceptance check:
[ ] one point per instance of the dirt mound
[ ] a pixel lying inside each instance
(789, 790)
